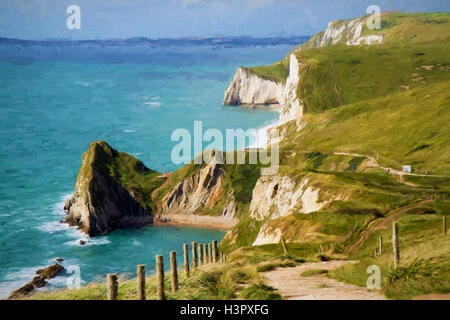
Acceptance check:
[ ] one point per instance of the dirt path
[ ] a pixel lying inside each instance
(383, 224)
(294, 287)
(372, 162)
(155, 192)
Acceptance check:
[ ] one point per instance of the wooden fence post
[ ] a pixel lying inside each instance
(222, 256)
(210, 253)
(141, 282)
(380, 246)
(395, 246)
(444, 225)
(283, 244)
(194, 255)
(205, 254)
(214, 251)
(186, 259)
(173, 264)
(200, 254)
(160, 277)
(111, 287)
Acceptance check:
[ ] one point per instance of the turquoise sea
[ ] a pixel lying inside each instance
(55, 100)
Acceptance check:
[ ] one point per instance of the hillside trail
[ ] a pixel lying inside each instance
(155, 192)
(292, 286)
(384, 224)
(373, 163)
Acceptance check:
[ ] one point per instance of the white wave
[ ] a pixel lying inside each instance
(15, 280)
(129, 130)
(153, 103)
(88, 241)
(58, 210)
(53, 226)
(136, 243)
(262, 136)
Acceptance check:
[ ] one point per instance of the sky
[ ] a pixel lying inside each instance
(119, 19)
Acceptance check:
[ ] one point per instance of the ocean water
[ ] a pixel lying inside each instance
(55, 100)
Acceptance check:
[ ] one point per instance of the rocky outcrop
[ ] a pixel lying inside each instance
(278, 196)
(101, 203)
(292, 107)
(40, 280)
(203, 189)
(248, 88)
(267, 235)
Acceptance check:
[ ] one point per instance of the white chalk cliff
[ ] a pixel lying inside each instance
(346, 32)
(291, 106)
(278, 196)
(248, 88)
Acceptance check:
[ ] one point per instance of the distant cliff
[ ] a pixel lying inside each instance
(347, 32)
(106, 195)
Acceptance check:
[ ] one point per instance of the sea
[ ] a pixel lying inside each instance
(57, 97)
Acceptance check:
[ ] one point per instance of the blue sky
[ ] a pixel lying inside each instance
(107, 19)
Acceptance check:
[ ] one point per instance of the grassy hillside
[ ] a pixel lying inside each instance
(396, 28)
(340, 75)
(388, 104)
(277, 72)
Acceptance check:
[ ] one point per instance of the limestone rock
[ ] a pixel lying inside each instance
(248, 88)
(101, 203)
(201, 190)
(40, 280)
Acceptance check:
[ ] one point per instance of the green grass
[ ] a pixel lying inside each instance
(334, 76)
(398, 28)
(128, 171)
(277, 72)
(314, 272)
(387, 127)
(217, 281)
(424, 258)
(259, 291)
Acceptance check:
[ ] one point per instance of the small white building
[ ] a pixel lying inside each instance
(407, 169)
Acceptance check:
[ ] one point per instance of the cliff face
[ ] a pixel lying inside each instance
(280, 196)
(203, 189)
(292, 107)
(101, 203)
(348, 32)
(248, 88)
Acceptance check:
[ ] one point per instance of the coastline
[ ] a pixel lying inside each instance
(198, 221)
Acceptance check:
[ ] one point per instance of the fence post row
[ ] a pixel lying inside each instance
(207, 253)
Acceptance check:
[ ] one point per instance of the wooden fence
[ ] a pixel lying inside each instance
(202, 254)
